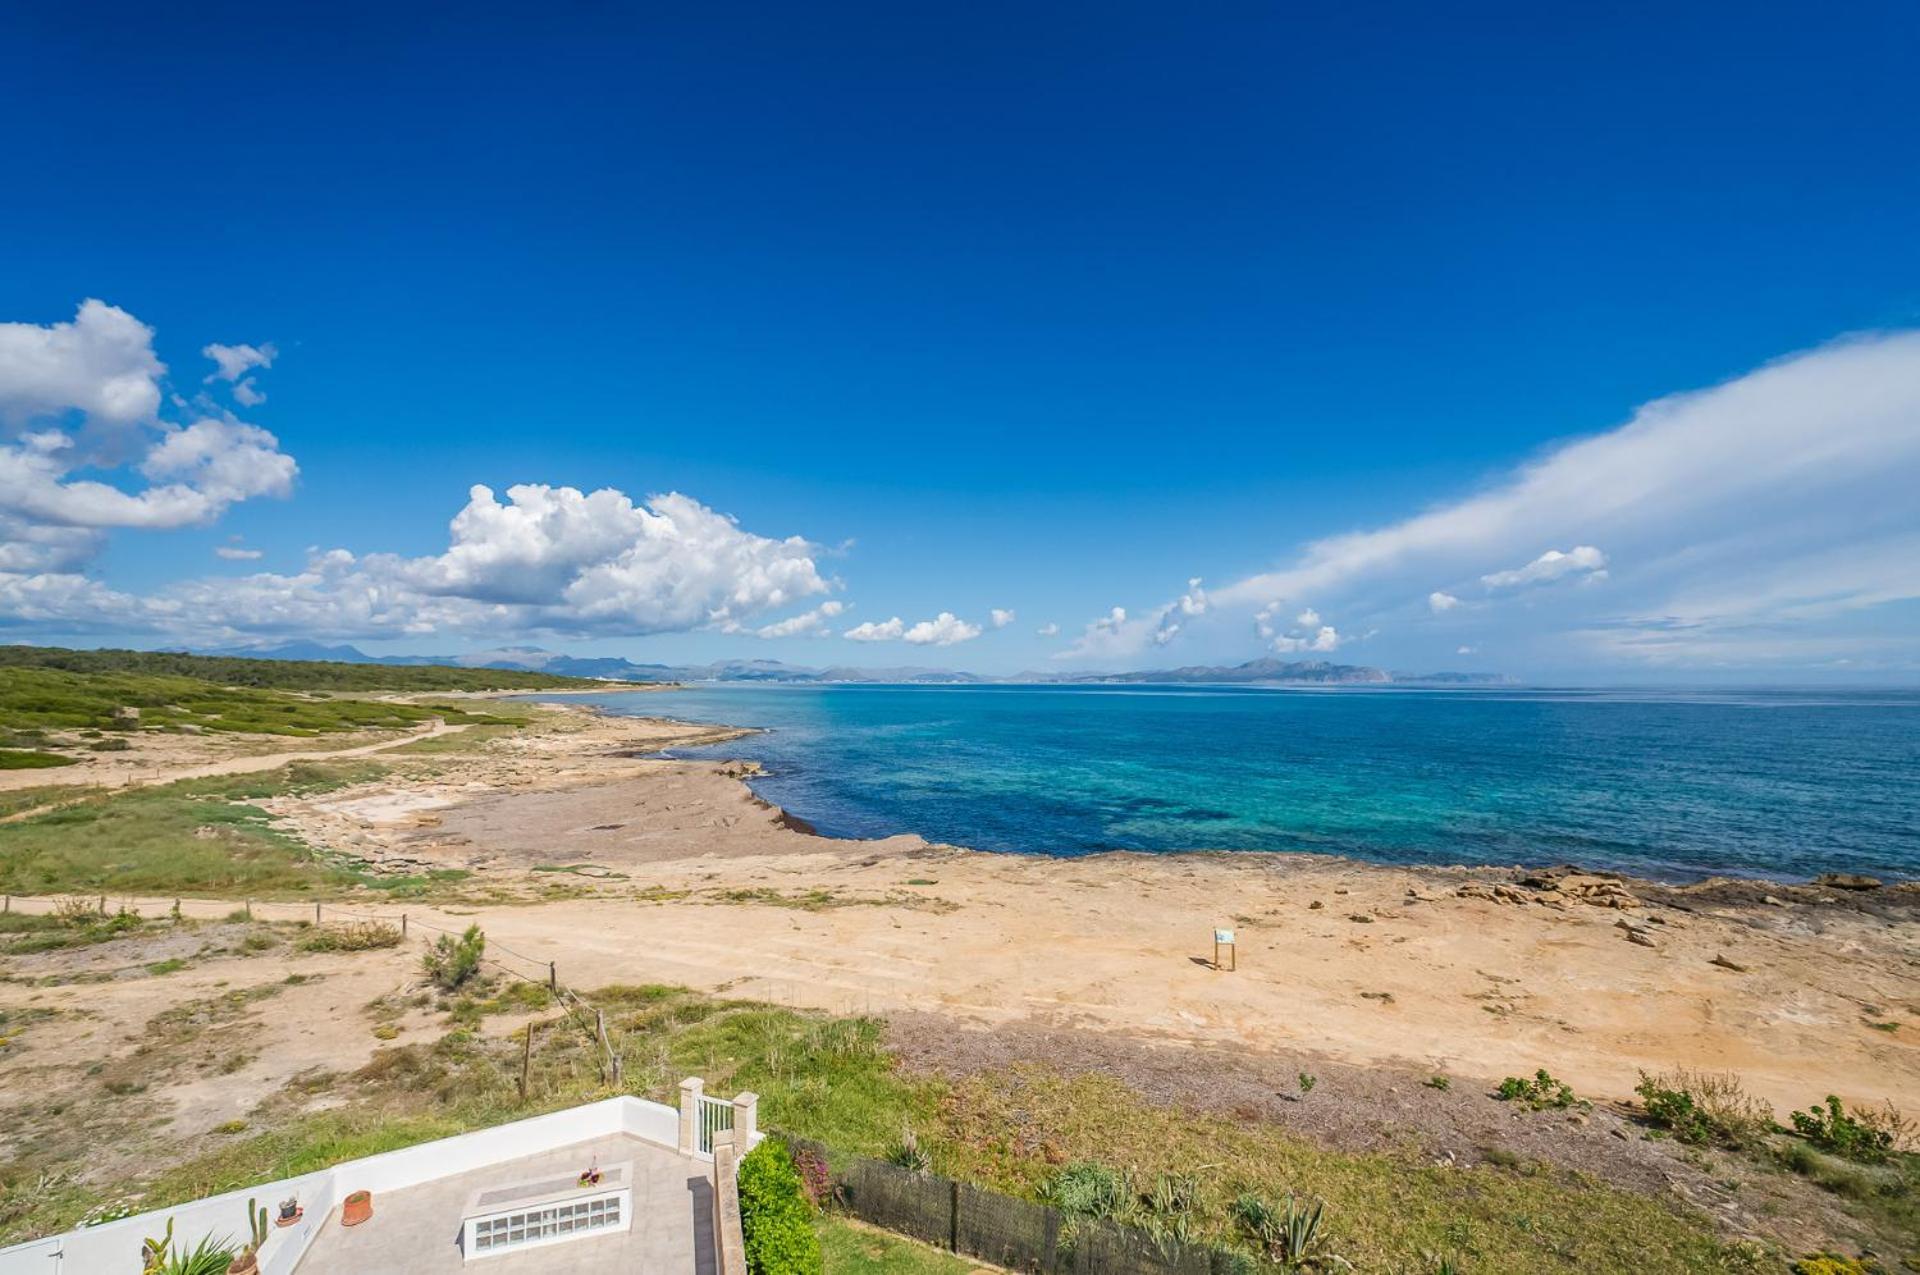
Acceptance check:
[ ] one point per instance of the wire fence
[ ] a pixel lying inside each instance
(590, 1019)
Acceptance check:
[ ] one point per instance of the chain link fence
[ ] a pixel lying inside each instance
(1016, 1234)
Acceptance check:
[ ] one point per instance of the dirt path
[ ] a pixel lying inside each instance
(87, 785)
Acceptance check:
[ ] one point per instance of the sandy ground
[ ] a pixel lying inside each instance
(166, 758)
(677, 873)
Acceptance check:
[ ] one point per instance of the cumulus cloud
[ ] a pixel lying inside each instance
(549, 559)
(884, 631)
(237, 553)
(1581, 560)
(1001, 618)
(1440, 603)
(84, 450)
(807, 624)
(944, 629)
(1048, 629)
(100, 364)
(1326, 639)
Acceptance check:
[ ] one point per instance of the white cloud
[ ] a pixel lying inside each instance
(1001, 618)
(1440, 603)
(232, 362)
(100, 364)
(1326, 639)
(1581, 560)
(1722, 511)
(1048, 629)
(237, 553)
(943, 630)
(248, 393)
(807, 624)
(79, 429)
(1308, 618)
(885, 631)
(1466, 650)
(1194, 601)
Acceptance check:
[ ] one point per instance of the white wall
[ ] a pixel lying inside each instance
(114, 1248)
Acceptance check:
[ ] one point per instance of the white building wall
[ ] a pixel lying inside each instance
(114, 1248)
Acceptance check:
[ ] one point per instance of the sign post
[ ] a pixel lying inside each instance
(1223, 938)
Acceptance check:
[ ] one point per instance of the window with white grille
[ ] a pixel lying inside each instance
(548, 1223)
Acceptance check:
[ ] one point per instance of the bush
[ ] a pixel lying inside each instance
(356, 936)
(1860, 1136)
(775, 1218)
(1089, 1188)
(1699, 1108)
(451, 963)
(1539, 1093)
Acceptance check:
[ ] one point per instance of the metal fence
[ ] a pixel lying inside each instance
(1016, 1234)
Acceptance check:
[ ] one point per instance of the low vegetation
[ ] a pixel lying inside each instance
(201, 836)
(1085, 1143)
(451, 963)
(298, 675)
(1704, 1108)
(49, 699)
(1538, 1092)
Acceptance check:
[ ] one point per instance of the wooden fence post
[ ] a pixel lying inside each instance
(316, 914)
(403, 927)
(526, 1061)
(553, 977)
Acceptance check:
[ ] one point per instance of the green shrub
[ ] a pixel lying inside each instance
(1089, 1188)
(451, 963)
(1699, 1108)
(775, 1218)
(355, 936)
(1860, 1136)
(1540, 1092)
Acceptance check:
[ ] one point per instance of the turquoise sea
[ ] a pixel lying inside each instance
(1670, 784)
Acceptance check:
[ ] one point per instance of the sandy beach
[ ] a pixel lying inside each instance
(675, 872)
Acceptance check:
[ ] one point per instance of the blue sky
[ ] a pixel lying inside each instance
(1351, 313)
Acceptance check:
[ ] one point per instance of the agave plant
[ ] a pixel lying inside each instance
(209, 1257)
(1290, 1237)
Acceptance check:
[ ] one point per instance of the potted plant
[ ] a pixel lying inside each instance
(592, 1176)
(356, 1208)
(247, 1261)
(290, 1211)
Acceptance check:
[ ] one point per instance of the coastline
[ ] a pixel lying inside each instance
(674, 871)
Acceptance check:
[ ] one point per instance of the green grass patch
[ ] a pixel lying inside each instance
(852, 1248)
(195, 837)
(18, 759)
(56, 699)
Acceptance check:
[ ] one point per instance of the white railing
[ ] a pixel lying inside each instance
(715, 1122)
(115, 1246)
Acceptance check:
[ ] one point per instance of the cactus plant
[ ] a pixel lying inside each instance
(248, 1259)
(153, 1252)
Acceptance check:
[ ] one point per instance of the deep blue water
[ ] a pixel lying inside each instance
(1667, 784)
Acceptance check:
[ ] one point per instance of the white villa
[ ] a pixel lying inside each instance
(620, 1185)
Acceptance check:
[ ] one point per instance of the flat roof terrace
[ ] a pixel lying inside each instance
(665, 1224)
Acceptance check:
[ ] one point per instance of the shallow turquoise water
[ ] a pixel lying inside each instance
(1667, 784)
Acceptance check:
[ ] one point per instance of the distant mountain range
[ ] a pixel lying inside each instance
(1266, 671)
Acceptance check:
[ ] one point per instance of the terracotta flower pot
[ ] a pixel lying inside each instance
(356, 1208)
(244, 1264)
